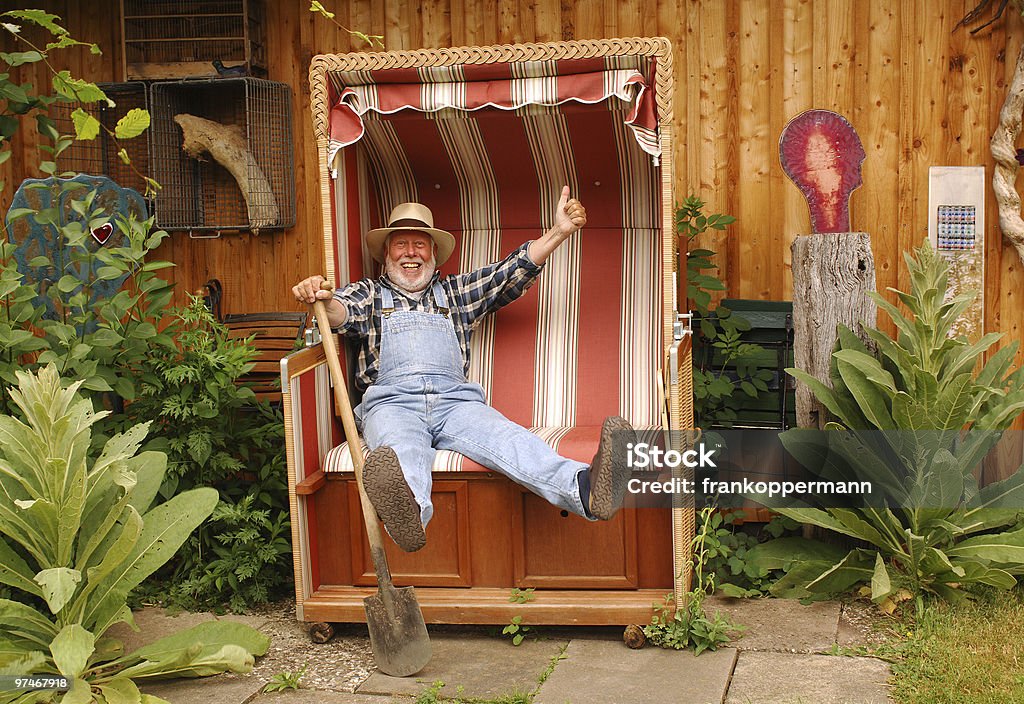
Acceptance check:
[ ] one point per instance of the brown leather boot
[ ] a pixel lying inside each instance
(609, 471)
(390, 494)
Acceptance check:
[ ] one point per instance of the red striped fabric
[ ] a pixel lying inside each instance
(502, 85)
(585, 342)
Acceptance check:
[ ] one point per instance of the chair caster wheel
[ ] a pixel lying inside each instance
(321, 632)
(634, 636)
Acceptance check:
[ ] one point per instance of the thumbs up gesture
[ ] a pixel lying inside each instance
(570, 215)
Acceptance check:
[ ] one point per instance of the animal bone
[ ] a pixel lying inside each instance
(228, 148)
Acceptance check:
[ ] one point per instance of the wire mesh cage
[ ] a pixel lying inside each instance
(165, 39)
(99, 156)
(244, 178)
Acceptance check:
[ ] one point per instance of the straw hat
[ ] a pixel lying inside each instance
(410, 217)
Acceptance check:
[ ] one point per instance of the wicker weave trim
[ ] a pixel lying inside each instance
(658, 47)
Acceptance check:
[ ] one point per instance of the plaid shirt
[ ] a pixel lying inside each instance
(470, 297)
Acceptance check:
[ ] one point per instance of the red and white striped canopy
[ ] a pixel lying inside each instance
(504, 86)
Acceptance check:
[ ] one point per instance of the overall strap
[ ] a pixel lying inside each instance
(440, 300)
(387, 301)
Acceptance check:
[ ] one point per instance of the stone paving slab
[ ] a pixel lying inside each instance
(484, 667)
(220, 689)
(783, 625)
(786, 678)
(603, 672)
(312, 696)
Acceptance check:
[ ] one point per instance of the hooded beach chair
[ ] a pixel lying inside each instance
(486, 137)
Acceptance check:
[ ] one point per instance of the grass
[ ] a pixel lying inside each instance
(432, 695)
(966, 653)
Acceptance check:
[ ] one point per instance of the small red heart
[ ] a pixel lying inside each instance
(102, 233)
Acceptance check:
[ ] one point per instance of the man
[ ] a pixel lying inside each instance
(413, 329)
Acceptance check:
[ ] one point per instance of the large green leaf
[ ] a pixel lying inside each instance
(19, 662)
(211, 635)
(953, 404)
(824, 394)
(881, 582)
(71, 650)
(967, 357)
(873, 401)
(58, 585)
(816, 517)
(150, 468)
(855, 568)
(15, 572)
(229, 658)
(166, 528)
(776, 554)
(870, 367)
(856, 525)
(81, 693)
(24, 622)
(69, 520)
(120, 690)
(1002, 548)
(147, 471)
(110, 468)
(114, 557)
(978, 572)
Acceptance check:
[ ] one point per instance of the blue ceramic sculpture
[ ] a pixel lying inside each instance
(35, 240)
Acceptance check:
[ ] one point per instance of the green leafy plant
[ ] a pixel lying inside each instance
(729, 372)
(521, 596)
(733, 559)
(21, 100)
(99, 341)
(371, 40)
(104, 342)
(77, 539)
(686, 625)
(283, 681)
(216, 435)
(516, 630)
(915, 419)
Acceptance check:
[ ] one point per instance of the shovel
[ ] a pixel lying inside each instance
(398, 635)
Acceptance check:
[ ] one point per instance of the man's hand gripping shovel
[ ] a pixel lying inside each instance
(398, 635)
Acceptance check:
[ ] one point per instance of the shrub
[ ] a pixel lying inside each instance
(216, 435)
(915, 419)
(77, 539)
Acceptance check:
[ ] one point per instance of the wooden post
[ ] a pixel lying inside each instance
(832, 273)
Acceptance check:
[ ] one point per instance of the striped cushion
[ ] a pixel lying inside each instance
(579, 443)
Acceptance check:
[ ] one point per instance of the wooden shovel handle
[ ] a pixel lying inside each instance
(348, 422)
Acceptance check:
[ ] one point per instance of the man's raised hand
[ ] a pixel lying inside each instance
(570, 215)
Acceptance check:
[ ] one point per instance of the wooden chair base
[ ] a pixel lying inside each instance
(574, 607)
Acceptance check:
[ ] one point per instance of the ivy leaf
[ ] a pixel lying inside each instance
(87, 127)
(132, 124)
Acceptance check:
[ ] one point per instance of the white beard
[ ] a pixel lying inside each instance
(411, 281)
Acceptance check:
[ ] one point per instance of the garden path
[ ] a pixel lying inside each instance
(783, 656)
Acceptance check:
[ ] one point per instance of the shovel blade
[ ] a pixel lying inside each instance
(398, 635)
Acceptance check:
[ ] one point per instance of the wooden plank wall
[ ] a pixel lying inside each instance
(918, 94)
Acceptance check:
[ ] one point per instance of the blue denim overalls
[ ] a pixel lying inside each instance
(422, 400)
